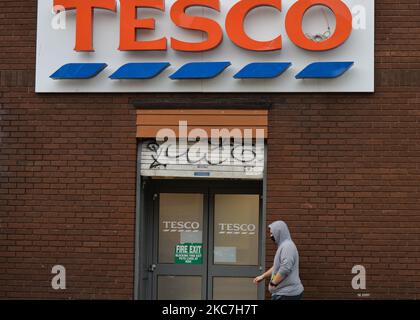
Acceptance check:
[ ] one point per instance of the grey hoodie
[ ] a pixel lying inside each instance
(286, 261)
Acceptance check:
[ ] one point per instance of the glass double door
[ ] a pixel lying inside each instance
(206, 243)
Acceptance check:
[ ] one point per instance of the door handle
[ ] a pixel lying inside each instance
(152, 268)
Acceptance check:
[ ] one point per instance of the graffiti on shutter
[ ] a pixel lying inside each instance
(203, 159)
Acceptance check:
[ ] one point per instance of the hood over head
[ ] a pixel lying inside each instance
(280, 232)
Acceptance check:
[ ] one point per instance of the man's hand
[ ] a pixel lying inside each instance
(276, 280)
(258, 279)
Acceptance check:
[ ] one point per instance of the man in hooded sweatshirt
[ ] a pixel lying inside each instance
(285, 283)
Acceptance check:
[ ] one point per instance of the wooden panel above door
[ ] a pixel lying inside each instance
(150, 121)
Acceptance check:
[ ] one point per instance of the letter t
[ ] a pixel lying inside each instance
(84, 19)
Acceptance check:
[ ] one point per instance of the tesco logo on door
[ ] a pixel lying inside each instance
(237, 228)
(205, 46)
(234, 24)
(181, 226)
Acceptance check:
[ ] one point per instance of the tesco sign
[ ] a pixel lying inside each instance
(205, 46)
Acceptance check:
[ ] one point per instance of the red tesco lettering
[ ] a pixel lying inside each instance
(234, 24)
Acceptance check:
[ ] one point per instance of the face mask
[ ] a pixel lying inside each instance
(272, 238)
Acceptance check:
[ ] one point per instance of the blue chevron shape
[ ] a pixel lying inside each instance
(200, 70)
(146, 70)
(324, 70)
(262, 70)
(78, 71)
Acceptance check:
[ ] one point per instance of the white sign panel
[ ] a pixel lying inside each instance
(56, 41)
(224, 254)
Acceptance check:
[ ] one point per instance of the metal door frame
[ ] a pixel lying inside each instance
(242, 271)
(148, 224)
(174, 269)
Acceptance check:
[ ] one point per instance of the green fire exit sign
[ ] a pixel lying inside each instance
(189, 253)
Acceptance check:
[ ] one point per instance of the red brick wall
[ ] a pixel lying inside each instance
(67, 195)
(343, 172)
